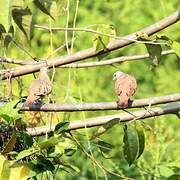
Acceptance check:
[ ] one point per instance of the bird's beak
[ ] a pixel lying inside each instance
(114, 77)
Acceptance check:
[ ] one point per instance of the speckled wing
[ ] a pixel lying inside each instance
(126, 84)
(125, 87)
(40, 87)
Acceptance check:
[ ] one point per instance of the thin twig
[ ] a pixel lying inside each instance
(113, 60)
(96, 32)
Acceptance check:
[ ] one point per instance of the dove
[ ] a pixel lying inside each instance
(39, 87)
(125, 86)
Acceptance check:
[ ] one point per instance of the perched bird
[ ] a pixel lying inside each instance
(125, 86)
(39, 87)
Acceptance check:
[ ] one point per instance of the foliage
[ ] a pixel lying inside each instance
(57, 154)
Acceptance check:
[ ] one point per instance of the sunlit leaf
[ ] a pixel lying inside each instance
(176, 47)
(131, 144)
(23, 19)
(9, 113)
(21, 171)
(48, 7)
(4, 168)
(61, 127)
(5, 14)
(165, 171)
(67, 147)
(52, 141)
(101, 41)
(173, 164)
(141, 139)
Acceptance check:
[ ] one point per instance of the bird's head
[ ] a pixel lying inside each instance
(44, 69)
(117, 74)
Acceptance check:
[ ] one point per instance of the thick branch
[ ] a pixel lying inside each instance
(84, 54)
(98, 106)
(123, 117)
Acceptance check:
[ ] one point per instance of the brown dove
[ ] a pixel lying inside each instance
(125, 86)
(39, 87)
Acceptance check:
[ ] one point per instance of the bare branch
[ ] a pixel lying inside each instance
(99, 106)
(84, 54)
(171, 108)
(112, 61)
(90, 64)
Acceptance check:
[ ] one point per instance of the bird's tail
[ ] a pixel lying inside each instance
(123, 101)
(29, 101)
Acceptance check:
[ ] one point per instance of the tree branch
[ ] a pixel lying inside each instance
(89, 64)
(99, 106)
(171, 108)
(113, 60)
(84, 54)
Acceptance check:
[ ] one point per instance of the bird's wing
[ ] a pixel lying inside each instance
(40, 87)
(126, 85)
(120, 85)
(132, 85)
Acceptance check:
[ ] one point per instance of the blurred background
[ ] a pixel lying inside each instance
(96, 84)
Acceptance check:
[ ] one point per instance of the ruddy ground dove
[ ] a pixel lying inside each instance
(39, 87)
(125, 86)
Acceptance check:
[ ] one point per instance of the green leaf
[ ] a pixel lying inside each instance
(10, 145)
(101, 130)
(27, 139)
(26, 153)
(173, 164)
(17, 4)
(21, 171)
(61, 127)
(154, 50)
(4, 168)
(176, 47)
(23, 19)
(131, 144)
(52, 141)
(44, 163)
(9, 113)
(141, 139)
(48, 7)
(5, 15)
(165, 171)
(69, 168)
(102, 41)
(104, 146)
(67, 147)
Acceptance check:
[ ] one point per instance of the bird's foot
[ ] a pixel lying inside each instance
(122, 104)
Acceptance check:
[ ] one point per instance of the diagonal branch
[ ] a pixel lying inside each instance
(88, 53)
(171, 108)
(99, 106)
